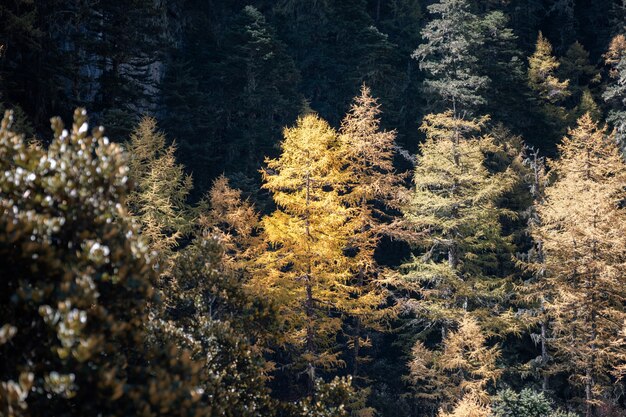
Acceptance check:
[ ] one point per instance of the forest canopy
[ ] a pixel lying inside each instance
(355, 208)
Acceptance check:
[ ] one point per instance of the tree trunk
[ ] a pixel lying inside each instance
(309, 303)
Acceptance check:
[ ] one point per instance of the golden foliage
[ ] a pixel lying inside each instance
(225, 215)
(583, 232)
(304, 269)
(371, 185)
(463, 367)
(469, 406)
(616, 52)
(541, 72)
(161, 188)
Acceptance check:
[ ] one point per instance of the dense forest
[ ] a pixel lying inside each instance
(322, 208)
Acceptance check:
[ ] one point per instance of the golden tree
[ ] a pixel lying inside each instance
(542, 66)
(233, 220)
(371, 186)
(583, 232)
(161, 188)
(460, 372)
(468, 406)
(454, 212)
(304, 269)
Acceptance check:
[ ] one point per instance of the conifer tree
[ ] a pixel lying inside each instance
(161, 188)
(454, 211)
(468, 406)
(448, 56)
(587, 104)
(233, 220)
(457, 373)
(548, 93)
(258, 85)
(615, 93)
(371, 187)
(583, 233)
(575, 67)
(304, 269)
(501, 61)
(542, 73)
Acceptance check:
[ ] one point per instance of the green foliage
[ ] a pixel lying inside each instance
(526, 403)
(76, 282)
(448, 56)
(329, 401)
(206, 312)
(454, 211)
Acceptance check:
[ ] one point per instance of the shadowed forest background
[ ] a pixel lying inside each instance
(313, 208)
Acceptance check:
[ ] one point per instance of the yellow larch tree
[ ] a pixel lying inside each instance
(371, 187)
(304, 270)
(453, 210)
(161, 186)
(233, 220)
(468, 406)
(583, 232)
(458, 373)
(542, 66)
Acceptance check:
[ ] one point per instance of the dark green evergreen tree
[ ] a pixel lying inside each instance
(448, 57)
(126, 44)
(258, 91)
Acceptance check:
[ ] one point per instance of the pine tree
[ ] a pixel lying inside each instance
(454, 211)
(448, 56)
(542, 73)
(460, 371)
(304, 269)
(258, 85)
(575, 67)
(615, 93)
(372, 186)
(501, 61)
(582, 233)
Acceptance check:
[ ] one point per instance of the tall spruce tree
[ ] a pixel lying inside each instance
(583, 234)
(501, 60)
(615, 94)
(449, 57)
(258, 85)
